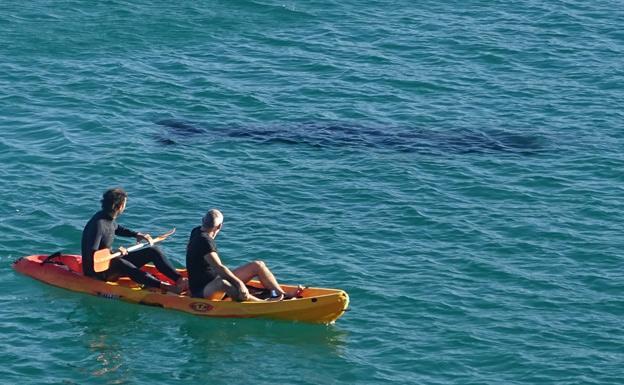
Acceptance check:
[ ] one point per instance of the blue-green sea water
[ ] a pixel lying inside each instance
(455, 166)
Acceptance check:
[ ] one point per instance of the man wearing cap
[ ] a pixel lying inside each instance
(210, 278)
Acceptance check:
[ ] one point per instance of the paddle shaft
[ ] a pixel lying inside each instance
(102, 258)
(137, 247)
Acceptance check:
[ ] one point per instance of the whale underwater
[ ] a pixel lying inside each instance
(460, 141)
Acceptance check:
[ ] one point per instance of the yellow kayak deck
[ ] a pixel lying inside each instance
(315, 305)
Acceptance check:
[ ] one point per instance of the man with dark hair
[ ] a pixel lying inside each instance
(99, 234)
(209, 277)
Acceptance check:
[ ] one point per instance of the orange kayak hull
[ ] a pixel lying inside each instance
(316, 305)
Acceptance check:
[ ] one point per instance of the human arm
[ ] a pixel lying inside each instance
(213, 260)
(139, 237)
(125, 232)
(92, 236)
(144, 237)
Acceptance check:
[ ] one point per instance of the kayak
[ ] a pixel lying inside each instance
(310, 304)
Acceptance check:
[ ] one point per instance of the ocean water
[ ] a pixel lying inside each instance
(455, 166)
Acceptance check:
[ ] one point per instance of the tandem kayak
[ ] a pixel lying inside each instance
(315, 305)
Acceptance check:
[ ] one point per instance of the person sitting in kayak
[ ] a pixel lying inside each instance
(99, 234)
(210, 278)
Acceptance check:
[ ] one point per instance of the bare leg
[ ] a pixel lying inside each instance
(260, 270)
(216, 288)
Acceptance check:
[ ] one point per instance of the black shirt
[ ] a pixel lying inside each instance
(199, 271)
(99, 234)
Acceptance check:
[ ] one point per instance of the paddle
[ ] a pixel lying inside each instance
(102, 258)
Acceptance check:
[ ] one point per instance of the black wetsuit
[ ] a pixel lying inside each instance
(199, 271)
(100, 232)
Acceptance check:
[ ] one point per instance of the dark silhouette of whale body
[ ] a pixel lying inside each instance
(345, 135)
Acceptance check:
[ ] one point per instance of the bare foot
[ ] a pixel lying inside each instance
(298, 292)
(182, 284)
(166, 287)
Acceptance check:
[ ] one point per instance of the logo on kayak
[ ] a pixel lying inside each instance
(107, 295)
(201, 307)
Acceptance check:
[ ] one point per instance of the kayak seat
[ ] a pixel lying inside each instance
(71, 262)
(126, 282)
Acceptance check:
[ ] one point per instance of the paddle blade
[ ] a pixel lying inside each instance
(101, 260)
(164, 236)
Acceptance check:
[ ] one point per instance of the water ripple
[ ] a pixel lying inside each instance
(456, 167)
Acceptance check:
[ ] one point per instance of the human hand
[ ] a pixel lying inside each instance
(123, 251)
(243, 293)
(145, 237)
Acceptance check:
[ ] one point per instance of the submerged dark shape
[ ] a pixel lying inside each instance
(165, 141)
(174, 131)
(480, 141)
(402, 139)
(181, 127)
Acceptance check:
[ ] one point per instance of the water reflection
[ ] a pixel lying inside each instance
(261, 351)
(105, 326)
(126, 341)
(220, 334)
